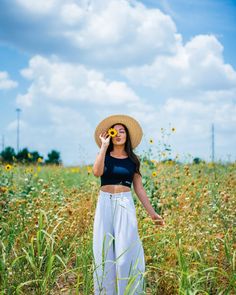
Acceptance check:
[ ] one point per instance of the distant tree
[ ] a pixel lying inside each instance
(35, 155)
(24, 156)
(7, 154)
(53, 158)
(198, 161)
(167, 160)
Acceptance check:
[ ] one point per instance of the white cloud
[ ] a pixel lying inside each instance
(6, 82)
(132, 31)
(114, 32)
(38, 7)
(197, 66)
(72, 14)
(58, 81)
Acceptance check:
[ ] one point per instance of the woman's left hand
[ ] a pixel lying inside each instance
(158, 219)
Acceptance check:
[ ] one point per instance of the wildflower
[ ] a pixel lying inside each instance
(29, 170)
(3, 189)
(151, 140)
(154, 174)
(173, 129)
(89, 169)
(112, 132)
(70, 211)
(8, 167)
(30, 156)
(149, 259)
(40, 160)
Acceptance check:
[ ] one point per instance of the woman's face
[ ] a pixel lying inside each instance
(120, 138)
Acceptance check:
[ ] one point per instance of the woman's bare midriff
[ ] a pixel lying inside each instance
(113, 188)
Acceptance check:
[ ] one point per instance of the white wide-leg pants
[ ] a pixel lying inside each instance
(119, 262)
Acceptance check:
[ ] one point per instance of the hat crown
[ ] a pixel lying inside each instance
(133, 126)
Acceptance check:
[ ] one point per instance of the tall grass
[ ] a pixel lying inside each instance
(46, 217)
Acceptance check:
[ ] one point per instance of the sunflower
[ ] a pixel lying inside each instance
(173, 129)
(112, 132)
(8, 167)
(151, 141)
(154, 174)
(29, 170)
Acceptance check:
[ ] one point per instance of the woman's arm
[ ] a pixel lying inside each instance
(142, 195)
(98, 165)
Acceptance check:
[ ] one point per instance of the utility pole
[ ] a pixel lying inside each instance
(212, 144)
(18, 110)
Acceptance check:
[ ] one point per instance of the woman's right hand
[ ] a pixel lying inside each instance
(105, 139)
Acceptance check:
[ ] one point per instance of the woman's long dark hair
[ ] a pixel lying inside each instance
(128, 149)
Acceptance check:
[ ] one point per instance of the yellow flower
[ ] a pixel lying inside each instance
(8, 167)
(154, 174)
(40, 160)
(29, 170)
(151, 140)
(30, 156)
(173, 129)
(89, 169)
(112, 132)
(3, 189)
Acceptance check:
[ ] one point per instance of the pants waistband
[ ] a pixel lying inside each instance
(116, 195)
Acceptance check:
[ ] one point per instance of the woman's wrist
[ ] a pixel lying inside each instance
(103, 150)
(152, 214)
(103, 147)
(155, 216)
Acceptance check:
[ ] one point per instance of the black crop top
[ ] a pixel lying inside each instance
(118, 171)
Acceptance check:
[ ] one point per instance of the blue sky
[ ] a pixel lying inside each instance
(69, 64)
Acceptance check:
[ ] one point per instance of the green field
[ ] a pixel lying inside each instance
(46, 218)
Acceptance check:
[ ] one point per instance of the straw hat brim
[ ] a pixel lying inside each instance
(135, 130)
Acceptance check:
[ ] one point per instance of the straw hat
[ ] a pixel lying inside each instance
(135, 130)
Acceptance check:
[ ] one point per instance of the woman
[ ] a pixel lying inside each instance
(117, 248)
